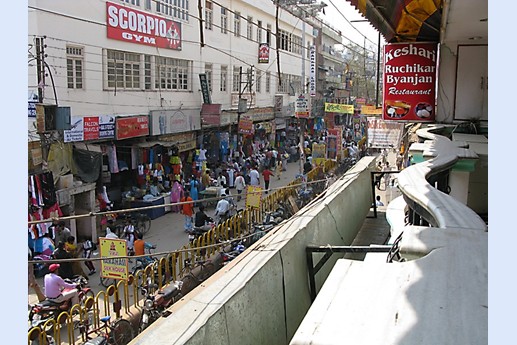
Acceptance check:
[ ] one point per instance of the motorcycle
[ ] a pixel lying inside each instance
(155, 305)
(196, 231)
(49, 309)
(236, 249)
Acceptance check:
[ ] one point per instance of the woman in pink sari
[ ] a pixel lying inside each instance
(176, 194)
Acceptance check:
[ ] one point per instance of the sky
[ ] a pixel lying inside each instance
(341, 16)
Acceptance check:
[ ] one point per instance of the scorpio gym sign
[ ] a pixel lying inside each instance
(127, 24)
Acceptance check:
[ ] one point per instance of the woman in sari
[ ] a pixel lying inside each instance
(176, 194)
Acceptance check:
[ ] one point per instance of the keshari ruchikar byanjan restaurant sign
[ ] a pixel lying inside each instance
(410, 82)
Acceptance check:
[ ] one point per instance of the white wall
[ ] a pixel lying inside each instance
(84, 24)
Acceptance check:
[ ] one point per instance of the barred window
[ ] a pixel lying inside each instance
(208, 15)
(259, 31)
(224, 21)
(237, 24)
(74, 67)
(268, 82)
(236, 82)
(268, 34)
(148, 83)
(172, 74)
(132, 2)
(173, 8)
(291, 84)
(123, 70)
(289, 42)
(249, 31)
(223, 83)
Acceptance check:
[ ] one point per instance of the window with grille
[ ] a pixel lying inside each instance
(177, 9)
(237, 24)
(224, 77)
(172, 74)
(236, 82)
(249, 30)
(132, 2)
(148, 83)
(224, 21)
(209, 75)
(123, 70)
(208, 15)
(74, 67)
(289, 42)
(259, 31)
(291, 84)
(268, 82)
(148, 5)
(268, 34)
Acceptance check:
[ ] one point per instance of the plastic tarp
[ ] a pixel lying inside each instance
(87, 164)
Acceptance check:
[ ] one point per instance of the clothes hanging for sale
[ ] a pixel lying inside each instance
(112, 159)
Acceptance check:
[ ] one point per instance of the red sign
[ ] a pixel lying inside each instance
(91, 127)
(129, 25)
(410, 82)
(263, 53)
(134, 126)
(246, 126)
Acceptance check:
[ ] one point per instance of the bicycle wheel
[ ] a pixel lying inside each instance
(144, 223)
(206, 271)
(106, 282)
(121, 332)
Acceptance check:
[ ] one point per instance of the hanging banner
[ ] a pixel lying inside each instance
(130, 25)
(263, 53)
(246, 126)
(339, 108)
(312, 71)
(370, 110)
(410, 81)
(319, 153)
(90, 128)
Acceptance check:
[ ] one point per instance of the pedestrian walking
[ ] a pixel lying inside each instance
(254, 177)
(240, 184)
(187, 209)
(87, 253)
(266, 173)
(278, 169)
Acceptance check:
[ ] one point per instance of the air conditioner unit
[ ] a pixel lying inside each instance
(50, 117)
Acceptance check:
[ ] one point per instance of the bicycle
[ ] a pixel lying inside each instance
(120, 332)
(189, 280)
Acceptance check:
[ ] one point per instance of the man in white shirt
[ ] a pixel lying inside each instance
(240, 184)
(222, 208)
(254, 177)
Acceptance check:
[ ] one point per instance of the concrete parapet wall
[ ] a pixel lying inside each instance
(262, 296)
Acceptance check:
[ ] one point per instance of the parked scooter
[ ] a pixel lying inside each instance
(195, 232)
(48, 309)
(236, 249)
(155, 305)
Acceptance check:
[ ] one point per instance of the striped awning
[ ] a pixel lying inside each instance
(403, 20)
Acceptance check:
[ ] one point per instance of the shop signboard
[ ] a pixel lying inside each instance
(263, 53)
(301, 107)
(410, 76)
(90, 128)
(130, 25)
(339, 108)
(246, 125)
(358, 124)
(106, 127)
(131, 127)
(115, 266)
(210, 115)
(370, 110)
(384, 134)
(205, 90)
(334, 143)
(319, 153)
(253, 196)
(312, 71)
(174, 121)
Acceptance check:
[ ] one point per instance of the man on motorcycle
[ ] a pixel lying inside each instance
(201, 220)
(57, 290)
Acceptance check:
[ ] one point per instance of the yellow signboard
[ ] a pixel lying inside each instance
(319, 153)
(339, 108)
(370, 110)
(114, 267)
(253, 195)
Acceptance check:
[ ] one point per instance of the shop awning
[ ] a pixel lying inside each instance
(403, 20)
